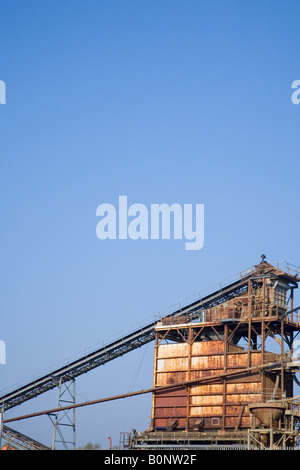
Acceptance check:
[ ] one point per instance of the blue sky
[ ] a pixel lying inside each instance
(172, 101)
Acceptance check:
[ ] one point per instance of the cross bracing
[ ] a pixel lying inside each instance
(123, 345)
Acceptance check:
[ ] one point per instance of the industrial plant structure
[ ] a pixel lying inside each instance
(224, 370)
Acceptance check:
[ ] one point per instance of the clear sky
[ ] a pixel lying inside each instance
(163, 101)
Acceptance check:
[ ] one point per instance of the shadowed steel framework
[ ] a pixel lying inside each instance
(253, 327)
(199, 347)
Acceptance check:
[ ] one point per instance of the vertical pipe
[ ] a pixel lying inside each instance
(282, 357)
(271, 433)
(154, 378)
(1, 426)
(263, 341)
(56, 418)
(74, 417)
(249, 323)
(263, 384)
(188, 388)
(225, 370)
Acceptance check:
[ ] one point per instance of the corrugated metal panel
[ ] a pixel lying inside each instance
(207, 347)
(203, 411)
(237, 360)
(173, 364)
(197, 374)
(207, 389)
(232, 421)
(173, 392)
(166, 378)
(170, 401)
(242, 387)
(233, 410)
(249, 378)
(172, 350)
(170, 412)
(165, 422)
(206, 400)
(241, 398)
(207, 362)
(240, 359)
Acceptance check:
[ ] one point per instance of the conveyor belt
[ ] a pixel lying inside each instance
(19, 441)
(123, 345)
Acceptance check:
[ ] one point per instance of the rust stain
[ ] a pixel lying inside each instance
(180, 362)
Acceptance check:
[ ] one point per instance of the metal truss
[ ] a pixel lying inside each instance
(121, 346)
(20, 441)
(64, 420)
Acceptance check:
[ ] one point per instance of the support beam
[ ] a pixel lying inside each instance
(220, 376)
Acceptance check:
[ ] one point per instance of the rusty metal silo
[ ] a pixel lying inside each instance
(211, 366)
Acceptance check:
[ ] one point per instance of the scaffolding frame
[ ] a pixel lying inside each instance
(64, 418)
